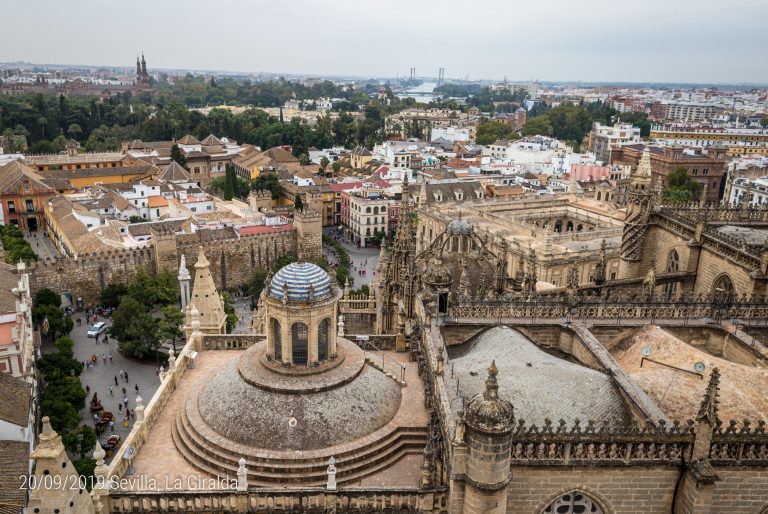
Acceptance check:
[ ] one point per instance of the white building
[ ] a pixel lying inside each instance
(743, 187)
(452, 134)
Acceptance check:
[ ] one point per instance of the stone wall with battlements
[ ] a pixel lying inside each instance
(232, 260)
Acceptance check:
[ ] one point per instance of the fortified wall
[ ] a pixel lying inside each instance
(232, 258)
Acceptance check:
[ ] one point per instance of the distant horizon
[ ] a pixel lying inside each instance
(594, 41)
(276, 74)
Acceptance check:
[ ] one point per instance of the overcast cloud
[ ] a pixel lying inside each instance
(590, 40)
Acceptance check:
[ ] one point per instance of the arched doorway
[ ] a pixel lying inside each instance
(673, 265)
(573, 502)
(299, 343)
(277, 338)
(322, 340)
(569, 227)
(558, 226)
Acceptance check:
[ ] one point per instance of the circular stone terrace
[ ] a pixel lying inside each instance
(287, 422)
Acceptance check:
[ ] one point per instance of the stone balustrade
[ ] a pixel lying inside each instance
(231, 341)
(363, 500)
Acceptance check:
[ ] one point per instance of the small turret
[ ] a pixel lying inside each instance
(489, 424)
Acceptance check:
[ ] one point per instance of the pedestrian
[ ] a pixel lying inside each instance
(110, 357)
(133, 414)
(125, 422)
(111, 425)
(95, 419)
(87, 389)
(125, 401)
(121, 373)
(119, 407)
(126, 377)
(123, 391)
(104, 357)
(116, 380)
(110, 390)
(137, 388)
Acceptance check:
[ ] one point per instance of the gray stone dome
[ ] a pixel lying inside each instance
(256, 417)
(459, 227)
(300, 281)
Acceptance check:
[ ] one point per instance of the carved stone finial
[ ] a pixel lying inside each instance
(491, 384)
(709, 404)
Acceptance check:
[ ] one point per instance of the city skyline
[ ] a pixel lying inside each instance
(662, 42)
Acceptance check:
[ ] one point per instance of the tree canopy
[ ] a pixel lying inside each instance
(680, 187)
(491, 131)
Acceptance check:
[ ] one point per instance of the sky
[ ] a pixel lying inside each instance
(691, 41)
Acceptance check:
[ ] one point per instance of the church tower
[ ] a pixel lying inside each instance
(639, 205)
(51, 460)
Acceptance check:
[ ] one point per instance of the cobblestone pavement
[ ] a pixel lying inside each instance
(42, 245)
(362, 259)
(101, 376)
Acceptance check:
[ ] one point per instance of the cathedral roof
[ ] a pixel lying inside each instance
(300, 281)
(276, 418)
(537, 384)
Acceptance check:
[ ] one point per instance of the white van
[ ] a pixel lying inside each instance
(97, 328)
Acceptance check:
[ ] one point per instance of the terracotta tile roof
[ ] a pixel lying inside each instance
(345, 186)
(82, 241)
(15, 400)
(174, 172)
(12, 174)
(157, 201)
(14, 462)
(146, 170)
(8, 280)
(212, 140)
(188, 140)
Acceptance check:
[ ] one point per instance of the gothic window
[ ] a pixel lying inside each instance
(569, 227)
(277, 337)
(673, 265)
(580, 228)
(322, 340)
(558, 226)
(723, 287)
(299, 337)
(573, 502)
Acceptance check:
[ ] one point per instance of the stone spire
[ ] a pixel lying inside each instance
(644, 171)
(602, 265)
(206, 298)
(640, 202)
(709, 404)
(399, 275)
(491, 384)
(184, 280)
(51, 460)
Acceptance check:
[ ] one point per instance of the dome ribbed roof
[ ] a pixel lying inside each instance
(459, 227)
(300, 281)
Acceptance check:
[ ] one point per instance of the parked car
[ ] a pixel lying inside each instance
(97, 328)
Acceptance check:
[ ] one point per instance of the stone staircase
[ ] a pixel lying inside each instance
(376, 363)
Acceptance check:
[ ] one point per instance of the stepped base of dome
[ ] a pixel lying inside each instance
(259, 371)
